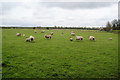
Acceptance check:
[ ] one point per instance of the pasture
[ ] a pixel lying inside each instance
(59, 57)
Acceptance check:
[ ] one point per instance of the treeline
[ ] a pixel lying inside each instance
(17, 27)
(55, 27)
(113, 25)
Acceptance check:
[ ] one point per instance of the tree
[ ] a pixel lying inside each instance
(33, 27)
(47, 27)
(55, 26)
(108, 26)
(114, 24)
(118, 24)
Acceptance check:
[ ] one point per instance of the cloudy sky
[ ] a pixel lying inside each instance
(94, 14)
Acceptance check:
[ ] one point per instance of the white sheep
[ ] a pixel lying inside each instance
(23, 35)
(109, 38)
(32, 38)
(51, 33)
(79, 38)
(18, 34)
(71, 39)
(91, 38)
(35, 31)
(72, 33)
(28, 40)
(43, 31)
(47, 36)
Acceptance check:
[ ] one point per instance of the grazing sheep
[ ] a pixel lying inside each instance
(51, 33)
(31, 38)
(43, 31)
(91, 38)
(47, 36)
(73, 34)
(35, 31)
(71, 39)
(109, 38)
(62, 34)
(23, 35)
(28, 40)
(79, 38)
(18, 34)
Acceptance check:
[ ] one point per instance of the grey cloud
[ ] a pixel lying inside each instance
(7, 6)
(77, 5)
(17, 22)
(43, 14)
(119, 10)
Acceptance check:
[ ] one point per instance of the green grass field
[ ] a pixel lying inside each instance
(58, 57)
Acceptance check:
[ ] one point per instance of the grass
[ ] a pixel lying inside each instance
(58, 57)
(0, 53)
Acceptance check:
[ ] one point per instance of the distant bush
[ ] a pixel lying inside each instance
(115, 31)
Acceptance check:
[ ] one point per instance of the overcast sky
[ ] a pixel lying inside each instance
(58, 13)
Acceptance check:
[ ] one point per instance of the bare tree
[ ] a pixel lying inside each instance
(108, 26)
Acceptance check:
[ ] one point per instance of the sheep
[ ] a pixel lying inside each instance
(23, 35)
(91, 38)
(51, 33)
(35, 31)
(43, 31)
(31, 38)
(71, 39)
(28, 40)
(79, 38)
(47, 36)
(72, 33)
(18, 34)
(109, 38)
(61, 34)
